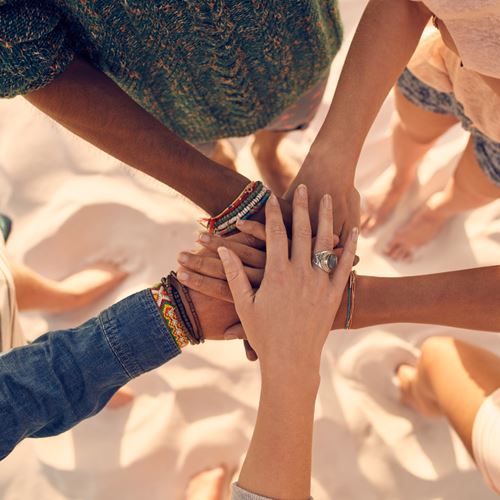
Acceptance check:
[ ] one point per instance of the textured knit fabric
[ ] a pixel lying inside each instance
(206, 69)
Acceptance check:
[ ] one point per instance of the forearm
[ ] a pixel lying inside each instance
(66, 376)
(385, 39)
(85, 101)
(278, 462)
(462, 299)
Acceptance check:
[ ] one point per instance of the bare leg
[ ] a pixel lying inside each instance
(224, 154)
(452, 378)
(277, 170)
(208, 485)
(415, 131)
(34, 291)
(469, 188)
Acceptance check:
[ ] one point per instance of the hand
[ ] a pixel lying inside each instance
(203, 271)
(320, 178)
(217, 319)
(266, 315)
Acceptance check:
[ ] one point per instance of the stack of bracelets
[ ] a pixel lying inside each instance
(351, 294)
(183, 324)
(248, 203)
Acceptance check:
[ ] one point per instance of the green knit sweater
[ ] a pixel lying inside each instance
(205, 68)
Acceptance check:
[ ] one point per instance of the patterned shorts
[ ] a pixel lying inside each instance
(298, 116)
(422, 95)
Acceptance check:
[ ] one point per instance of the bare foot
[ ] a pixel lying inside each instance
(277, 170)
(224, 154)
(208, 485)
(122, 397)
(381, 204)
(82, 288)
(421, 228)
(413, 392)
(35, 292)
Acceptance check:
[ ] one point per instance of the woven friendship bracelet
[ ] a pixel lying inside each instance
(167, 309)
(188, 317)
(351, 294)
(248, 202)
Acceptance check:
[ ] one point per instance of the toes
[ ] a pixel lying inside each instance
(406, 375)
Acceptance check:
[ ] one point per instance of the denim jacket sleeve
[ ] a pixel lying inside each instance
(66, 376)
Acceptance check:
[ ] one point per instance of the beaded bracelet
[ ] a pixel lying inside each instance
(168, 311)
(248, 202)
(351, 294)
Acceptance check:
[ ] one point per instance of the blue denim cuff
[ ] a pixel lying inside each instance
(137, 334)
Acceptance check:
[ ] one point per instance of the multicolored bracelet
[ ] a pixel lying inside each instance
(189, 317)
(249, 202)
(351, 295)
(168, 310)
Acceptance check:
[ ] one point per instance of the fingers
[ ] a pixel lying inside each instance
(301, 227)
(210, 266)
(276, 237)
(344, 266)
(325, 239)
(240, 287)
(219, 289)
(234, 332)
(249, 256)
(250, 353)
(254, 229)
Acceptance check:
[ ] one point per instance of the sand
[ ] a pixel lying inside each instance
(72, 204)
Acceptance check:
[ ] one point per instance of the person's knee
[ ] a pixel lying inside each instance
(435, 351)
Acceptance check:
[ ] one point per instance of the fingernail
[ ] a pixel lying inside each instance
(204, 237)
(273, 200)
(355, 234)
(327, 201)
(183, 257)
(223, 254)
(302, 191)
(230, 336)
(183, 276)
(240, 223)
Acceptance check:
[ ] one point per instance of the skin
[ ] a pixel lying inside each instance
(426, 387)
(34, 291)
(462, 299)
(385, 39)
(89, 104)
(278, 461)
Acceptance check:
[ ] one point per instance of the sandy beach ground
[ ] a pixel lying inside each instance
(72, 205)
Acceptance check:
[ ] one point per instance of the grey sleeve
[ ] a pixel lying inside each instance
(240, 494)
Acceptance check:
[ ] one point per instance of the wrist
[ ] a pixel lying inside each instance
(335, 156)
(288, 377)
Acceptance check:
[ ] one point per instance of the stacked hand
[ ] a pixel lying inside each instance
(204, 272)
(288, 319)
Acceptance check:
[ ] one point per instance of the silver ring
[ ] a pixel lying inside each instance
(325, 260)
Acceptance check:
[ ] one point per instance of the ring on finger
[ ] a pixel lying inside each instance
(325, 260)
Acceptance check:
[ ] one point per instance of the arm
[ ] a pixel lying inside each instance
(278, 462)
(89, 104)
(462, 299)
(66, 376)
(385, 39)
(63, 377)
